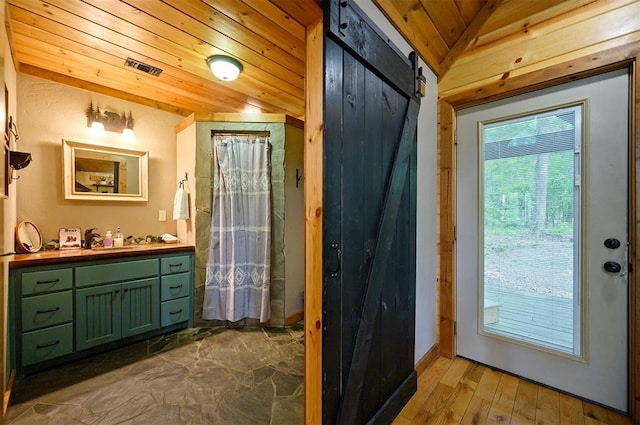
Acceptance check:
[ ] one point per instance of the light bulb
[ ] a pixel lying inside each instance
(128, 135)
(97, 129)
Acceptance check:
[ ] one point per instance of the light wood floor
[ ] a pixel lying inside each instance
(461, 392)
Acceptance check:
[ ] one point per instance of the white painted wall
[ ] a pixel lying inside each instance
(426, 243)
(186, 163)
(49, 112)
(7, 205)
(293, 221)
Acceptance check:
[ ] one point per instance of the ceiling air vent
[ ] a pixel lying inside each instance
(141, 66)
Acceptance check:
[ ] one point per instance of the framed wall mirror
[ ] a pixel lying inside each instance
(104, 173)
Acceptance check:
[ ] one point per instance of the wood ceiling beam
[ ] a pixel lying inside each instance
(446, 18)
(412, 21)
(97, 88)
(469, 34)
(305, 12)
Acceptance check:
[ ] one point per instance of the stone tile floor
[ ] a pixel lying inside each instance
(194, 376)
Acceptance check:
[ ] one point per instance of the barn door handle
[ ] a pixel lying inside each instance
(336, 272)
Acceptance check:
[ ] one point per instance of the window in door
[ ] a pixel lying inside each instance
(530, 180)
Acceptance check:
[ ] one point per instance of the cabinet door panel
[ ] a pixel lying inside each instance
(140, 306)
(46, 310)
(98, 315)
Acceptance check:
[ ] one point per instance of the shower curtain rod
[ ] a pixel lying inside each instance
(240, 133)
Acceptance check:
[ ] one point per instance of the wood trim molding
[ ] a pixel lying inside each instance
(634, 294)
(447, 162)
(428, 359)
(238, 117)
(7, 395)
(619, 57)
(313, 184)
(467, 37)
(294, 318)
(97, 88)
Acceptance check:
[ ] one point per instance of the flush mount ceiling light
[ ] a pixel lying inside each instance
(224, 67)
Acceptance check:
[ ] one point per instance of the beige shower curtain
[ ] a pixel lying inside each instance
(238, 266)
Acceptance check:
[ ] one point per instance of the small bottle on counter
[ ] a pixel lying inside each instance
(107, 242)
(118, 239)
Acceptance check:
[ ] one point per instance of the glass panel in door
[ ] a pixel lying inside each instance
(530, 229)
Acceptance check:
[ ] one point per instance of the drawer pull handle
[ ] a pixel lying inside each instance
(44, 282)
(51, 310)
(176, 287)
(50, 344)
(176, 312)
(174, 267)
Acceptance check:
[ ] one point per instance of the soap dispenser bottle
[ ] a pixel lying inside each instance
(118, 240)
(107, 242)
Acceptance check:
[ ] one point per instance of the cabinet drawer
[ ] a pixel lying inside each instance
(115, 272)
(175, 286)
(175, 311)
(46, 281)
(45, 344)
(46, 310)
(177, 264)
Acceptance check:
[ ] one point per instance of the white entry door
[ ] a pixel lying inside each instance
(542, 238)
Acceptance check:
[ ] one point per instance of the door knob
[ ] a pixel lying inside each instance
(612, 267)
(612, 243)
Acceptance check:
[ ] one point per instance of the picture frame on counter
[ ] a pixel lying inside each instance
(70, 238)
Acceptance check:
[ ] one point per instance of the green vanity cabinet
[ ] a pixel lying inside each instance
(45, 315)
(177, 303)
(73, 309)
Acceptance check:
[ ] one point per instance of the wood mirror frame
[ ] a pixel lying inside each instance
(104, 173)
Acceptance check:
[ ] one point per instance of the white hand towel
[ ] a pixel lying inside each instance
(181, 205)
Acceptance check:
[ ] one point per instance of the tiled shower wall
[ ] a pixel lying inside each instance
(203, 193)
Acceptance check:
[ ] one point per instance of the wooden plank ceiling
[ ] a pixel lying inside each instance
(85, 44)
(466, 43)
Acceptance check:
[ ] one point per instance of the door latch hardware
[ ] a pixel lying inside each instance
(612, 267)
(612, 243)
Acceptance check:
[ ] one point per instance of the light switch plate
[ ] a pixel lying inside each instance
(162, 215)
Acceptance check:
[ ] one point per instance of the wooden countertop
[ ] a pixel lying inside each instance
(44, 258)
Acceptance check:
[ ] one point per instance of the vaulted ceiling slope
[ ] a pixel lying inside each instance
(86, 43)
(467, 43)
(472, 43)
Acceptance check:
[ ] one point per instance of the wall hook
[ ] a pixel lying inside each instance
(186, 179)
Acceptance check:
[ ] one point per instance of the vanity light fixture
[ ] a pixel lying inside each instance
(97, 127)
(98, 122)
(127, 132)
(224, 67)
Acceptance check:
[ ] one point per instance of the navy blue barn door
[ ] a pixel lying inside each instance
(371, 105)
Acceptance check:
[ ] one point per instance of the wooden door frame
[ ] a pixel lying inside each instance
(313, 187)
(627, 56)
